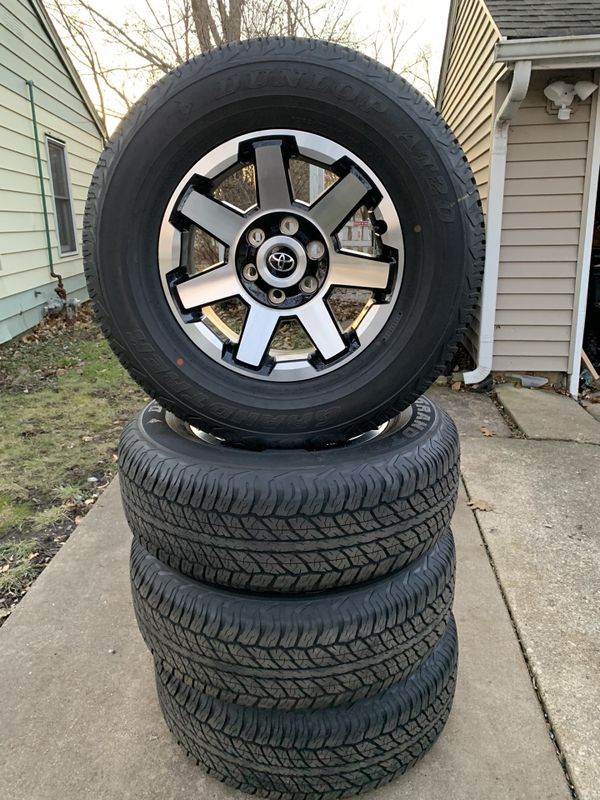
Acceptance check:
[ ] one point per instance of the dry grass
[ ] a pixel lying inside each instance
(63, 401)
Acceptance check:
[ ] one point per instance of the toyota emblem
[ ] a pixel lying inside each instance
(281, 261)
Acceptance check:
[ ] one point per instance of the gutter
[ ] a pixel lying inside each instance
(516, 94)
(60, 289)
(551, 51)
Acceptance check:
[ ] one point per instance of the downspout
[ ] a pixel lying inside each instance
(514, 98)
(60, 289)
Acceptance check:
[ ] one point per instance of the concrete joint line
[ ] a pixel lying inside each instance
(533, 677)
(513, 424)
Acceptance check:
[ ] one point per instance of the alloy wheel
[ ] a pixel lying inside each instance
(282, 258)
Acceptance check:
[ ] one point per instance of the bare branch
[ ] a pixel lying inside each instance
(120, 35)
(420, 72)
(122, 53)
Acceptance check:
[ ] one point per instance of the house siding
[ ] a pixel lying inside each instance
(27, 53)
(467, 100)
(542, 217)
(467, 103)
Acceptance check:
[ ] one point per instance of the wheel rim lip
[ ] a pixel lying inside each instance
(397, 424)
(288, 366)
(205, 437)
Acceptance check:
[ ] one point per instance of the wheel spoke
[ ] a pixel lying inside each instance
(256, 335)
(271, 176)
(209, 287)
(336, 205)
(358, 271)
(215, 218)
(322, 329)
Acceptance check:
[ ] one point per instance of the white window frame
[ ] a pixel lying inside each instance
(584, 255)
(61, 143)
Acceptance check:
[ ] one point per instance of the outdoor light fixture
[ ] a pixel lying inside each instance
(562, 94)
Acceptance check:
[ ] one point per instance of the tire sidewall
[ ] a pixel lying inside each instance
(403, 437)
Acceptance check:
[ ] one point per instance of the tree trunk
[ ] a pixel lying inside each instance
(206, 30)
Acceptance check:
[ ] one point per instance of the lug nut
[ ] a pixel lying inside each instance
(289, 225)
(309, 284)
(250, 272)
(315, 250)
(276, 296)
(256, 237)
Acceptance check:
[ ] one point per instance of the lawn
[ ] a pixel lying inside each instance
(64, 399)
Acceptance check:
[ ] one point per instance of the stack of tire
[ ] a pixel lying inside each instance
(292, 564)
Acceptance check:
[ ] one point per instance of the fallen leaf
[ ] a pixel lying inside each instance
(487, 431)
(5, 568)
(480, 505)
(86, 438)
(78, 520)
(456, 386)
(31, 556)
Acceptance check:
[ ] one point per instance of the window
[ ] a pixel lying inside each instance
(61, 190)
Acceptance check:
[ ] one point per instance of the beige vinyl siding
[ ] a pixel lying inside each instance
(27, 53)
(545, 171)
(467, 102)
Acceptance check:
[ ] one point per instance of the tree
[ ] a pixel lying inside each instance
(391, 45)
(421, 74)
(120, 55)
(123, 55)
(392, 39)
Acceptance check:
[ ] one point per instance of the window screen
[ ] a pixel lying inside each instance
(61, 189)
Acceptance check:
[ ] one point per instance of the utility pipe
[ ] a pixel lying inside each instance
(60, 289)
(514, 98)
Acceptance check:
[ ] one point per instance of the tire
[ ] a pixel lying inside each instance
(289, 521)
(351, 379)
(330, 753)
(306, 651)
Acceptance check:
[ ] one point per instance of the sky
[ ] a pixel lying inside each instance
(426, 18)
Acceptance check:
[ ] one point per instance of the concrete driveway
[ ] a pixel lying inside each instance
(79, 717)
(543, 540)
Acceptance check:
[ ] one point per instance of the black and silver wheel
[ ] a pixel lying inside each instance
(284, 243)
(282, 260)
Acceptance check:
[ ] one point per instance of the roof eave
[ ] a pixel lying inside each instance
(551, 52)
(452, 12)
(446, 54)
(69, 66)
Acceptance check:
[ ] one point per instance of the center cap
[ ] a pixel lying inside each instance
(281, 262)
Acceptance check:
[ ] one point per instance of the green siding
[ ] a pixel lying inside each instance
(27, 53)
(22, 311)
